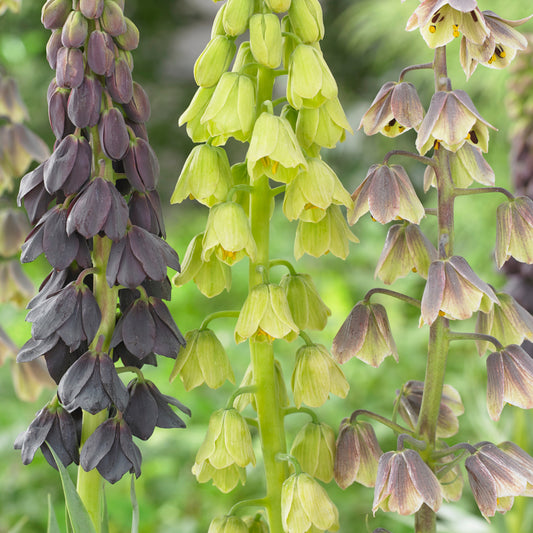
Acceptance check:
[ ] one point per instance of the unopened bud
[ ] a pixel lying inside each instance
(52, 47)
(306, 20)
(227, 524)
(92, 9)
(100, 54)
(129, 40)
(214, 61)
(75, 30)
(54, 13)
(84, 103)
(278, 6)
(236, 15)
(266, 40)
(69, 67)
(138, 108)
(120, 83)
(114, 137)
(112, 19)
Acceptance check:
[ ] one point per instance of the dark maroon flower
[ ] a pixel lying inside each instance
(50, 236)
(145, 211)
(36, 197)
(84, 103)
(69, 67)
(57, 111)
(69, 166)
(139, 255)
(128, 359)
(99, 207)
(92, 383)
(138, 128)
(55, 427)
(141, 165)
(100, 54)
(149, 408)
(114, 137)
(148, 327)
(111, 450)
(120, 83)
(138, 108)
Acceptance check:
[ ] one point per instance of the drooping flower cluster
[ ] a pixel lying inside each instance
(97, 219)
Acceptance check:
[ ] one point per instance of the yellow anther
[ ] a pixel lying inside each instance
(467, 136)
(436, 145)
(387, 128)
(262, 333)
(441, 313)
(455, 30)
(266, 161)
(228, 254)
(414, 269)
(492, 59)
(373, 219)
(275, 166)
(432, 29)
(191, 197)
(401, 128)
(310, 206)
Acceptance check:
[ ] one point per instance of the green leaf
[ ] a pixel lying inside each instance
(134, 507)
(79, 517)
(53, 526)
(17, 528)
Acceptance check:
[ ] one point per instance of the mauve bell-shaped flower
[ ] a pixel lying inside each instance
(404, 482)
(114, 137)
(451, 120)
(440, 21)
(453, 289)
(148, 408)
(92, 383)
(147, 326)
(100, 53)
(84, 103)
(509, 379)
(58, 111)
(98, 207)
(141, 166)
(139, 255)
(69, 67)
(395, 110)
(120, 83)
(69, 166)
(52, 47)
(92, 9)
(55, 426)
(388, 194)
(75, 30)
(111, 450)
(54, 13)
(36, 197)
(496, 478)
(514, 235)
(357, 454)
(365, 334)
(145, 211)
(50, 237)
(138, 108)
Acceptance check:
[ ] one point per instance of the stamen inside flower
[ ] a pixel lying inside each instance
(473, 137)
(390, 125)
(455, 30)
(309, 206)
(262, 333)
(474, 16)
(275, 165)
(227, 254)
(436, 144)
(266, 161)
(432, 29)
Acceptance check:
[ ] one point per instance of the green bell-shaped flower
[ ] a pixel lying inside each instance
(214, 61)
(236, 16)
(196, 130)
(227, 524)
(307, 20)
(265, 39)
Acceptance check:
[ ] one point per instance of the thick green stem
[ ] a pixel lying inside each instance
(90, 485)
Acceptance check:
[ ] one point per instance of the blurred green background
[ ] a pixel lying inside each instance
(365, 46)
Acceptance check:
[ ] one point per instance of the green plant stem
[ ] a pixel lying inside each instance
(460, 336)
(421, 158)
(394, 294)
(382, 420)
(90, 485)
(483, 190)
(218, 314)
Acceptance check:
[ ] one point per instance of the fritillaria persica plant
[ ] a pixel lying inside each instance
(96, 213)
(284, 139)
(451, 138)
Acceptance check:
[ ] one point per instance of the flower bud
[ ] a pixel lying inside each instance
(227, 524)
(236, 15)
(357, 454)
(84, 103)
(265, 316)
(214, 61)
(112, 19)
(206, 176)
(141, 165)
(196, 130)
(57, 113)
(307, 308)
(202, 360)
(13, 230)
(330, 234)
(54, 13)
(100, 54)
(265, 39)
(129, 40)
(211, 277)
(217, 28)
(245, 58)
(52, 47)
(120, 83)
(228, 234)
(278, 6)
(365, 334)
(75, 30)
(256, 524)
(305, 506)
(314, 448)
(114, 137)
(315, 376)
(306, 20)
(92, 9)
(138, 108)
(69, 71)
(310, 81)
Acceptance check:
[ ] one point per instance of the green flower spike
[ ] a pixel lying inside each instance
(236, 16)
(514, 231)
(274, 150)
(265, 39)
(331, 234)
(316, 375)
(307, 308)
(228, 234)
(196, 130)
(314, 448)
(308, 196)
(307, 20)
(406, 249)
(230, 110)
(202, 360)
(325, 126)
(266, 316)
(211, 277)
(227, 524)
(226, 450)
(306, 507)
(214, 61)
(508, 321)
(206, 176)
(310, 81)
